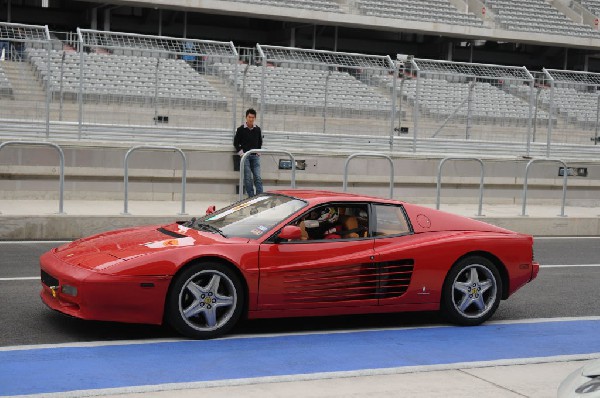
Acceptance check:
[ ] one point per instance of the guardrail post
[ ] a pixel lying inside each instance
(61, 155)
(439, 181)
(565, 176)
(269, 151)
(153, 147)
(371, 155)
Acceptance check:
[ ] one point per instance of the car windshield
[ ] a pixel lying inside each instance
(250, 218)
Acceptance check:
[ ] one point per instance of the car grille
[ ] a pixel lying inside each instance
(48, 279)
(349, 282)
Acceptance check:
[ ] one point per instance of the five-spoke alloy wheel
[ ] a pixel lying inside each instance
(472, 291)
(205, 301)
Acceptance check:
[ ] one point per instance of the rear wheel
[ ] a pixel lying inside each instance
(205, 301)
(472, 291)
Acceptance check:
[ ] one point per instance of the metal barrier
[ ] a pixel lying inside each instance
(183, 175)
(372, 155)
(61, 156)
(565, 174)
(243, 159)
(439, 181)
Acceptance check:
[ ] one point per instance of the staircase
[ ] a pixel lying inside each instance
(29, 98)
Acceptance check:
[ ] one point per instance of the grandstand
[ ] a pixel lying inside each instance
(125, 79)
(429, 10)
(537, 16)
(5, 86)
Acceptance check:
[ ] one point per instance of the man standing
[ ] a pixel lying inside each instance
(248, 136)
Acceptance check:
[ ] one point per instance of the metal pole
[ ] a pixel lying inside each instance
(469, 109)
(48, 89)
(529, 119)
(416, 112)
(550, 118)
(62, 73)
(263, 105)
(393, 107)
(234, 97)
(80, 96)
(325, 103)
(597, 116)
(156, 90)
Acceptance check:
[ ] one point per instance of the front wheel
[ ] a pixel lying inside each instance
(205, 301)
(472, 291)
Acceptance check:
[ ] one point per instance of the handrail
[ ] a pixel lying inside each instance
(270, 151)
(371, 155)
(439, 180)
(565, 176)
(156, 147)
(61, 156)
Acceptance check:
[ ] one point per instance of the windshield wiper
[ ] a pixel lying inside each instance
(210, 228)
(190, 223)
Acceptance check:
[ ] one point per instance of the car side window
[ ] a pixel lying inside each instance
(335, 221)
(390, 220)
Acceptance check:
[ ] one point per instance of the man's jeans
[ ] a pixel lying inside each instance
(252, 175)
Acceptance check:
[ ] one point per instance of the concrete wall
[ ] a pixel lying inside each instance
(96, 172)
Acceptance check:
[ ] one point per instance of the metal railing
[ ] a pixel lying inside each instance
(565, 176)
(159, 148)
(371, 155)
(439, 181)
(61, 155)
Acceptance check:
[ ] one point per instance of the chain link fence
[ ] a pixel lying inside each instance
(141, 80)
(469, 101)
(23, 95)
(575, 98)
(152, 88)
(299, 90)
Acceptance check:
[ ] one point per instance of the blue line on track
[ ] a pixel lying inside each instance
(61, 369)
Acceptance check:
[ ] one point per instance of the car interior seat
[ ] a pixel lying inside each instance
(350, 227)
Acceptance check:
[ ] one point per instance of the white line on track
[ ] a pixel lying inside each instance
(32, 242)
(564, 237)
(21, 278)
(262, 335)
(568, 265)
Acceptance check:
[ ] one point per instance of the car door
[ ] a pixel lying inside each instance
(318, 273)
(397, 255)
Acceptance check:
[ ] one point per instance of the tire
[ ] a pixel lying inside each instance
(472, 291)
(205, 301)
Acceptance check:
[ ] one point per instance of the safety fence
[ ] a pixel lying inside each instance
(152, 89)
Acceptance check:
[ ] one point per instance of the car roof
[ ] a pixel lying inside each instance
(318, 196)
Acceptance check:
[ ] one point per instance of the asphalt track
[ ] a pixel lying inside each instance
(565, 294)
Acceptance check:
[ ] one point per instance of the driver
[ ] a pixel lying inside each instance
(323, 224)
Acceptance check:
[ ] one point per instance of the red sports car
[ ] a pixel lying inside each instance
(290, 253)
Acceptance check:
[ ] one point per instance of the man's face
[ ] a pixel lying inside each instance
(250, 120)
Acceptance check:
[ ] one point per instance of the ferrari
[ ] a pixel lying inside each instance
(290, 253)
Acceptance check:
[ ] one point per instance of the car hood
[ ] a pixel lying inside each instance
(126, 244)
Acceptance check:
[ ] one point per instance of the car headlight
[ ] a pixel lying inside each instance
(69, 290)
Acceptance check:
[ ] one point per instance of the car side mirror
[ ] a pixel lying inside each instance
(290, 232)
